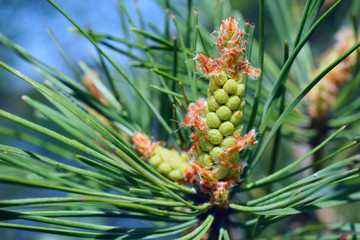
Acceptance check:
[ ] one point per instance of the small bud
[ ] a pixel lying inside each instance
(221, 79)
(175, 175)
(233, 103)
(224, 113)
(216, 154)
(227, 142)
(240, 90)
(175, 160)
(204, 144)
(164, 168)
(236, 117)
(231, 86)
(212, 120)
(226, 128)
(212, 104)
(221, 172)
(213, 86)
(205, 161)
(221, 96)
(155, 160)
(215, 136)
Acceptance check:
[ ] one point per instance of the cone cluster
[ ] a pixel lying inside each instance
(221, 127)
(322, 97)
(217, 139)
(170, 163)
(217, 120)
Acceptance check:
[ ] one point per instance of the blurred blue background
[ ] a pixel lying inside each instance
(25, 22)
